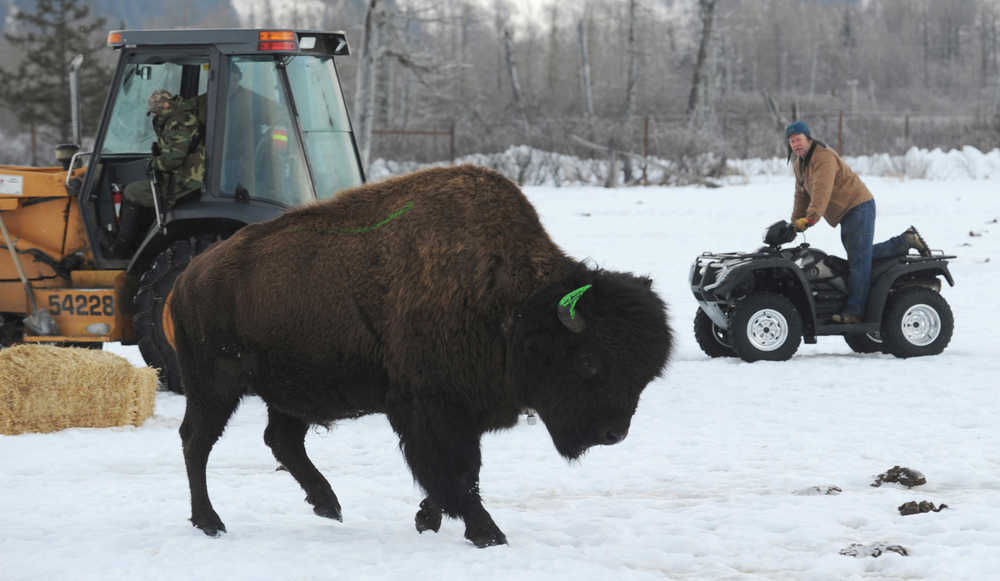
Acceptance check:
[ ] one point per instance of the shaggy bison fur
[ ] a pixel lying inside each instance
(436, 298)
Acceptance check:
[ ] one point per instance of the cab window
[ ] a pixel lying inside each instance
(262, 157)
(130, 129)
(325, 127)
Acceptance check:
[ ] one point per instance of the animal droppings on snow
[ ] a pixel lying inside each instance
(905, 476)
(873, 550)
(914, 507)
(818, 490)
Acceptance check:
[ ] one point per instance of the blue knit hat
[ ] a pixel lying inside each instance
(797, 127)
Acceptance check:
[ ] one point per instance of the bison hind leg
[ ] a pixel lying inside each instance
(429, 516)
(286, 435)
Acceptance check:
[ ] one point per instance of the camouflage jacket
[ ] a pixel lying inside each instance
(181, 162)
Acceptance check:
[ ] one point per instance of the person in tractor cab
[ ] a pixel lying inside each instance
(178, 162)
(826, 187)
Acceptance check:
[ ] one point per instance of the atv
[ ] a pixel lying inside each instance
(761, 305)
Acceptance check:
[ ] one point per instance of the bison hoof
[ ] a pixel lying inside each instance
(428, 518)
(330, 511)
(211, 528)
(485, 539)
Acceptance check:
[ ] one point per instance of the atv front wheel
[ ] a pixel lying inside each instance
(154, 286)
(712, 340)
(765, 326)
(917, 322)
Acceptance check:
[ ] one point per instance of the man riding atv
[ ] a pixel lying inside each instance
(826, 187)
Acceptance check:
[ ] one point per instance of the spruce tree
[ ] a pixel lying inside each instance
(47, 39)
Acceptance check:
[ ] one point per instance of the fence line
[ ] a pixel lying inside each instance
(733, 134)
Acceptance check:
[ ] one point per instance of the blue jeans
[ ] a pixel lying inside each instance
(857, 230)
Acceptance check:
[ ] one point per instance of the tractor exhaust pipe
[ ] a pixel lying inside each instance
(66, 151)
(74, 96)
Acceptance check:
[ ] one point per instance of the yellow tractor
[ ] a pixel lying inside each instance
(276, 135)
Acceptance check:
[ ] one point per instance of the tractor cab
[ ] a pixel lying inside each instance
(275, 132)
(274, 124)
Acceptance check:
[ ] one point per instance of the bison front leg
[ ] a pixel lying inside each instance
(285, 435)
(212, 390)
(204, 420)
(442, 450)
(429, 516)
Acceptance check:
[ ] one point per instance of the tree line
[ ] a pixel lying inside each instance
(672, 78)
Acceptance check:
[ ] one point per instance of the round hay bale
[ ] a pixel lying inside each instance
(45, 388)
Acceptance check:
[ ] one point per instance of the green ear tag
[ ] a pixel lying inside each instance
(571, 298)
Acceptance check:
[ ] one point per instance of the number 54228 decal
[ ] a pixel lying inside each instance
(82, 305)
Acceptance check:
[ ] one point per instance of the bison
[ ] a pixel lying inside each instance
(436, 298)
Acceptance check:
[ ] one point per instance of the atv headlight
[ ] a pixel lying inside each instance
(726, 269)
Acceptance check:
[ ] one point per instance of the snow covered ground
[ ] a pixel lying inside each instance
(704, 487)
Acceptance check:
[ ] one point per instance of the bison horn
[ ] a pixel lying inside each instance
(566, 311)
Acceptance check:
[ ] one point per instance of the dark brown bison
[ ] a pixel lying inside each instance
(435, 298)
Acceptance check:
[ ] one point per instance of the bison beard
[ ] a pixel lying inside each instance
(436, 298)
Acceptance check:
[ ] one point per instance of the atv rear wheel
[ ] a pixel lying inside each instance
(865, 342)
(154, 286)
(917, 322)
(712, 340)
(765, 326)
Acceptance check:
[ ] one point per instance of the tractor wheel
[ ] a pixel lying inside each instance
(765, 326)
(154, 286)
(917, 322)
(712, 340)
(865, 342)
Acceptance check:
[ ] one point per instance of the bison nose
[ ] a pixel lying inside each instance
(614, 436)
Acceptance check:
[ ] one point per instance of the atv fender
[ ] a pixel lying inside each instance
(880, 290)
(780, 276)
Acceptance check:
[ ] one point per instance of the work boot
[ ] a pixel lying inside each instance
(915, 240)
(120, 246)
(846, 319)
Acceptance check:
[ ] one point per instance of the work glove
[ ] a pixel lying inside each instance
(801, 224)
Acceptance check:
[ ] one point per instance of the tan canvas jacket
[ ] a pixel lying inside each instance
(826, 187)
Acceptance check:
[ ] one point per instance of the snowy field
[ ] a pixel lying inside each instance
(704, 487)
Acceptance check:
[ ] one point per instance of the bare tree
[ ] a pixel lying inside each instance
(511, 65)
(583, 37)
(583, 70)
(632, 80)
(364, 98)
(706, 11)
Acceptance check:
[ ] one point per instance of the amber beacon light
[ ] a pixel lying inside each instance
(277, 40)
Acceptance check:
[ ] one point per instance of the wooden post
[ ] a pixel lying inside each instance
(906, 130)
(645, 151)
(451, 138)
(840, 135)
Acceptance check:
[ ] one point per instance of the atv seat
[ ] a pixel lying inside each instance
(879, 267)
